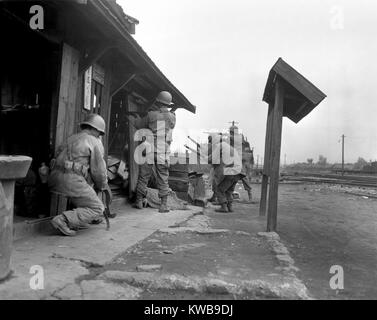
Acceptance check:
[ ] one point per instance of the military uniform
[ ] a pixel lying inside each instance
(216, 171)
(231, 174)
(247, 164)
(161, 122)
(78, 168)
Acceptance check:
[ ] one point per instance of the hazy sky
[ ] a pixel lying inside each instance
(218, 54)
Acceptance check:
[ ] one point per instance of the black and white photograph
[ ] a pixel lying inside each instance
(209, 152)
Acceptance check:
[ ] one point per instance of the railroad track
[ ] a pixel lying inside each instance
(360, 181)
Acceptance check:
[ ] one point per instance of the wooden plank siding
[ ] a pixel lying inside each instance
(133, 167)
(106, 104)
(67, 94)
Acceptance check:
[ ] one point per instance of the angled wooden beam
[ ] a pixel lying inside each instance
(94, 55)
(117, 87)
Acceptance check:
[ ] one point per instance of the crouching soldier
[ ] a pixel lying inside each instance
(228, 156)
(78, 170)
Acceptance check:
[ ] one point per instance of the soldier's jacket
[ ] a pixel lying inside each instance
(83, 154)
(229, 159)
(247, 157)
(161, 122)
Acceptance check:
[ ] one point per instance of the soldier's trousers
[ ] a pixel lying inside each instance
(246, 184)
(216, 178)
(87, 209)
(226, 188)
(162, 179)
(88, 206)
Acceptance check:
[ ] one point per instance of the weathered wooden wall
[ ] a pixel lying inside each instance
(106, 103)
(133, 167)
(66, 119)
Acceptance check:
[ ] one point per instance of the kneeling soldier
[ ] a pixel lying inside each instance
(79, 170)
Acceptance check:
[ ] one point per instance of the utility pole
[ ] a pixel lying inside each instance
(285, 160)
(257, 160)
(343, 136)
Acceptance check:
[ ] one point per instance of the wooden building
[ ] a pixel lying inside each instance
(83, 60)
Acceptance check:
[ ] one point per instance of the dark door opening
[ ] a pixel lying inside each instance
(28, 85)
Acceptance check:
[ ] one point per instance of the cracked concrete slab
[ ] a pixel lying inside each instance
(197, 224)
(286, 262)
(101, 290)
(256, 288)
(97, 290)
(83, 267)
(64, 259)
(149, 267)
(71, 291)
(269, 235)
(197, 230)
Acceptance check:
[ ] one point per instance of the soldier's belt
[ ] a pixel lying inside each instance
(74, 167)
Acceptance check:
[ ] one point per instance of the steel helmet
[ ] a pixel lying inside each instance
(165, 97)
(96, 122)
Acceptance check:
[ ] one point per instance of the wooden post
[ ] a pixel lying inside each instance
(267, 151)
(132, 165)
(343, 154)
(275, 155)
(106, 106)
(67, 94)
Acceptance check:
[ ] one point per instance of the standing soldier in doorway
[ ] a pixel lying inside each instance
(78, 170)
(161, 122)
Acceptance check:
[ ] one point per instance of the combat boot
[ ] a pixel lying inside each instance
(139, 202)
(83, 226)
(223, 208)
(98, 220)
(164, 205)
(230, 206)
(213, 198)
(60, 223)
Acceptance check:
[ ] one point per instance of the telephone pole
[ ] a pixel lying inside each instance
(343, 136)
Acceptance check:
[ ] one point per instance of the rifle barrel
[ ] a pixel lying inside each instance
(197, 144)
(191, 149)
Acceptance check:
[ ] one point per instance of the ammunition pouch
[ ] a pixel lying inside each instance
(73, 167)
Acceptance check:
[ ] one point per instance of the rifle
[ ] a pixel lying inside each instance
(194, 151)
(197, 144)
(106, 198)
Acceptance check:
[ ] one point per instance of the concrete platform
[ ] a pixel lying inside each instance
(64, 259)
(188, 254)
